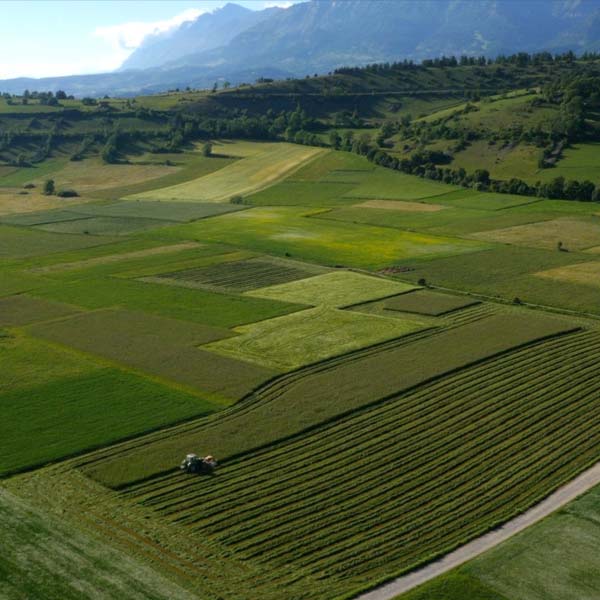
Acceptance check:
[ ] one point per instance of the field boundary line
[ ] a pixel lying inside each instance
(563, 495)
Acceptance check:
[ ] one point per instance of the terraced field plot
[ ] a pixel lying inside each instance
(429, 303)
(296, 232)
(575, 234)
(338, 164)
(159, 347)
(390, 487)
(337, 289)
(243, 275)
(317, 394)
(248, 175)
(309, 336)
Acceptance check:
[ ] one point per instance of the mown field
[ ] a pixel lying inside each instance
(348, 341)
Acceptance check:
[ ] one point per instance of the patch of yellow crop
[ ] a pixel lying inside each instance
(587, 273)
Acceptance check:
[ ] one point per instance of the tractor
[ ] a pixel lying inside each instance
(193, 463)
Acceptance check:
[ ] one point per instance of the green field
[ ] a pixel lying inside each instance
(337, 289)
(307, 397)
(349, 341)
(201, 306)
(80, 563)
(295, 232)
(364, 507)
(47, 387)
(309, 336)
(426, 302)
(125, 337)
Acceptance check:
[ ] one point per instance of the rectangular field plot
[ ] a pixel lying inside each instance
(68, 415)
(383, 490)
(111, 259)
(309, 336)
(271, 163)
(587, 273)
(337, 289)
(23, 310)
(426, 302)
(168, 211)
(302, 193)
(575, 234)
(21, 242)
(158, 346)
(41, 217)
(103, 225)
(399, 205)
(485, 201)
(296, 232)
(199, 306)
(333, 163)
(386, 184)
(240, 276)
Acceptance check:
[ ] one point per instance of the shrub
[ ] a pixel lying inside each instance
(67, 194)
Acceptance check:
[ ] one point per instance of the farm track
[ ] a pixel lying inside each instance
(392, 486)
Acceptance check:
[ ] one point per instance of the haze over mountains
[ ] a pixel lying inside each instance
(237, 44)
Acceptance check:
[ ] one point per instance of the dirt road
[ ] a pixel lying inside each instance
(587, 480)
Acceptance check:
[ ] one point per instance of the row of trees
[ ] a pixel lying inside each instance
(521, 59)
(426, 164)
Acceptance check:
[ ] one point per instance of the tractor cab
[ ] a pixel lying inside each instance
(193, 463)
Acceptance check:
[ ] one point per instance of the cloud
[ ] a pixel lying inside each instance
(126, 37)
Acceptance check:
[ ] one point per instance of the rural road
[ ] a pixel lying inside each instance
(563, 495)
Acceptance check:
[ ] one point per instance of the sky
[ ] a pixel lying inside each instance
(44, 38)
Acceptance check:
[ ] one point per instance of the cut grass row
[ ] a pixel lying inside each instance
(307, 398)
(382, 491)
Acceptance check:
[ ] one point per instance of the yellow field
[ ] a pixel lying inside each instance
(92, 174)
(402, 206)
(13, 202)
(270, 162)
(575, 234)
(587, 273)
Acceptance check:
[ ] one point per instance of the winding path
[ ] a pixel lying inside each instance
(563, 495)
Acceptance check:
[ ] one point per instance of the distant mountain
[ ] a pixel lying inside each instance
(208, 31)
(236, 44)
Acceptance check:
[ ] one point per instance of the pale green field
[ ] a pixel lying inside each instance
(337, 289)
(263, 164)
(292, 231)
(309, 336)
